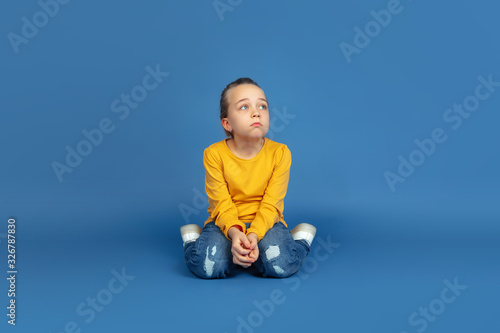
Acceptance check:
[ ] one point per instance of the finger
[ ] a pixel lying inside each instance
(241, 263)
(239, 249)
(245, 253)
(237, 243)
(247, 244)
(244, 265)
(254, 255)
(244, 259)
(244, 240)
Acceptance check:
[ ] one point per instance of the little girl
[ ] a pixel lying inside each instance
(246, 178)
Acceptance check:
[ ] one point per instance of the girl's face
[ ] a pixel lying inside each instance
(247, 116)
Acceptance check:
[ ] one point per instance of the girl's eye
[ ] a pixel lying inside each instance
(263, 107)
(244, 107)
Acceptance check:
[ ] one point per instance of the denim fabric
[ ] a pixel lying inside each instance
(279, 254)
(210, 255)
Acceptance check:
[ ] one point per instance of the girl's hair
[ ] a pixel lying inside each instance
(224, 103)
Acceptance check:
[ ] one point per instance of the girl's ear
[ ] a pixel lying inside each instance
(226, 125)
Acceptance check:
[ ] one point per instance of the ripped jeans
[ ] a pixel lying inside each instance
(280, 255)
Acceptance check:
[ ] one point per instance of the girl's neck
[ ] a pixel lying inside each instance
(244, 148)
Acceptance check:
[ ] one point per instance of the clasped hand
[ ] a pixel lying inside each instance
(244, 249)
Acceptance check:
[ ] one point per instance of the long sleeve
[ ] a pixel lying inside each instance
(271, 207)
(221, 206)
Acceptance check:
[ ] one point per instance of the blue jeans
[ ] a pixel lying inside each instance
(210, 255)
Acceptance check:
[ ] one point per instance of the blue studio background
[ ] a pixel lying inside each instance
(390, 109)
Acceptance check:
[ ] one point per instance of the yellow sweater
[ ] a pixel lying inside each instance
(246, 191)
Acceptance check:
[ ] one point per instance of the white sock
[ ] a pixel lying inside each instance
(190, 237)
(304, 235)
